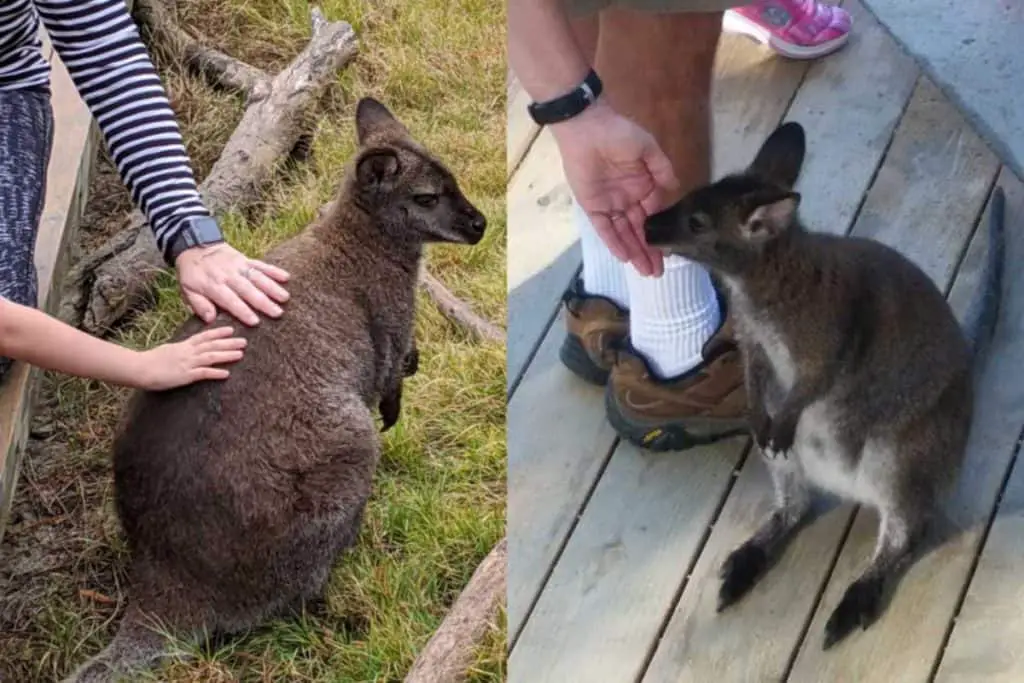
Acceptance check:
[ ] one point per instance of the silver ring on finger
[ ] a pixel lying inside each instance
(247, 272)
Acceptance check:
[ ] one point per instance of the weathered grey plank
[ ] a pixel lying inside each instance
(543, 251)
(750, 100)
(934, 183)
(985, 644)
(618, 575)
(848, 130)
(849, 105)
(558, 440)
(521, 130)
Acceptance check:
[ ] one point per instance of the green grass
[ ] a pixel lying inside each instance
(438, 503)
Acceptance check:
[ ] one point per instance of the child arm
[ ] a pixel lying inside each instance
(29, 335)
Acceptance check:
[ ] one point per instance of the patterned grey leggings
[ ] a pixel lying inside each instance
(26, 136)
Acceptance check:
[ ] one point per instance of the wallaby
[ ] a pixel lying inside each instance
(237, 497)
(859, 378)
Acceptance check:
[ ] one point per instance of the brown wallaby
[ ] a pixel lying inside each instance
(236, 497)
(858, 376)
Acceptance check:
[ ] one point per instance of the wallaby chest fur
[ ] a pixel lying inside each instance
(237, 497)
(882, 331)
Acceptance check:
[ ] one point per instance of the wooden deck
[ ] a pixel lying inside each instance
(74, 144)
(614, 552)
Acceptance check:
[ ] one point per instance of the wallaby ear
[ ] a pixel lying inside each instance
(377, 169)
(375, 122)
(771, 219)
(781, 155)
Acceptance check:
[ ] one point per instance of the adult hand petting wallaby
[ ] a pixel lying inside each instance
(237, 497)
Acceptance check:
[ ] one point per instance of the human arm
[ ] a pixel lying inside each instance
(100, 45)
(617, 172)
(29, 335)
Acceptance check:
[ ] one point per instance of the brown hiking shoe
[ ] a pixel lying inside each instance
(699, 407)
(594, 325)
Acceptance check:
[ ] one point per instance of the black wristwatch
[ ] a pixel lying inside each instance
(198, 231)
(569, 105)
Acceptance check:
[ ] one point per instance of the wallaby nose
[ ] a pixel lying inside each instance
(479, 224)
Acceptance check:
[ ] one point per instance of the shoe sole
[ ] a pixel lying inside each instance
(579, 362)
(670, 435)
(740, 25)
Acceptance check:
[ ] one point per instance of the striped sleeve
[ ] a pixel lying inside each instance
(100, 45)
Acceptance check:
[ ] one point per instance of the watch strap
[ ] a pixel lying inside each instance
(569, 105)
(197, 231)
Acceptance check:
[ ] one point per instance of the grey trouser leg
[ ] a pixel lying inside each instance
(26, 136)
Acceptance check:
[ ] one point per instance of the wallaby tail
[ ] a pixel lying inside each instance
(984, 313)
(136, 646)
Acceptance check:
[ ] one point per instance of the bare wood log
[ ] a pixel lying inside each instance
(116, 278)
(449, 653)
(457, 310)
(218, 69)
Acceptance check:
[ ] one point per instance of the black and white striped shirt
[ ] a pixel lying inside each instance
(100, 45)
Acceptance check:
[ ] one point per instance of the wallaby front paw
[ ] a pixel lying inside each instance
(390, 409)
(781, 437)
(740, 571)
(859, 607)
(411, 362)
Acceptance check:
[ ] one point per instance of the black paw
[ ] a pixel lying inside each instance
(390, 409)
(740, 571)
(858, 608)
(411, 362)
(781, 435)
(761, 426)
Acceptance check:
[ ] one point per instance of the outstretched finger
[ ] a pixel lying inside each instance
(604, 228)
(653, 257)
(634, 247)
(212, 334)
(208, 373)
(230, 344)
(210, 358)
(270, 271)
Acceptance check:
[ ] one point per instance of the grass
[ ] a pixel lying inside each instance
(438, 504)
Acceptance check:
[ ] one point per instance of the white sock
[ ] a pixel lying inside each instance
(603, 274)
(672, 317)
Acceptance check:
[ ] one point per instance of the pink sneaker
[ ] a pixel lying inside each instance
(798, 29)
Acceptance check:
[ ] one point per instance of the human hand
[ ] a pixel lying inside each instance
(220, 276)
(191, 360)
(619, 176)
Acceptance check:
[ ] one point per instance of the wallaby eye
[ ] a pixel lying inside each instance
(697, 223)
(427, 201)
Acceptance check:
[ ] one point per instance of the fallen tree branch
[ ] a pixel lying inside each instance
(109, 283)
(218, 69)
(457, 310)
(449, 653)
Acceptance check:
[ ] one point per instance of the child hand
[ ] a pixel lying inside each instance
(191, 360)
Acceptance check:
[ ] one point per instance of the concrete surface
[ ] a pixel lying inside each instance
(974, 51)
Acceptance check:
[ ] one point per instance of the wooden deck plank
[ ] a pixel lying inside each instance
(617, 578)
(849, 124)
(559, 440)
(67, 182)
(985, 644)
(543, 453)
(849, 106)
(521, 131)
(543, 250)
(925, 201)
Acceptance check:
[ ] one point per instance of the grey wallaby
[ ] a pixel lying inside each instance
(237, 497)
(859, 378)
